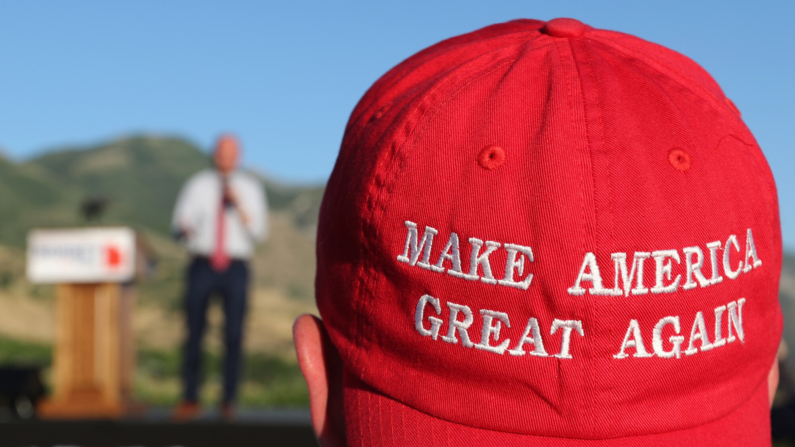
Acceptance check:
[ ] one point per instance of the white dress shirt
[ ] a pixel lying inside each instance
(196, 214)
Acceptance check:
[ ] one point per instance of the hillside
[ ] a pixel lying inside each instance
(30, 197)
(140, 178)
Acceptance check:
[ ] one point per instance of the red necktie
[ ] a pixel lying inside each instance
(219, 259)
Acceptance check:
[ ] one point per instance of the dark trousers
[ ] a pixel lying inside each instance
(232, 285)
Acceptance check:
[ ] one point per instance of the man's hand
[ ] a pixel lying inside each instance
(232, 197)
(183, 232)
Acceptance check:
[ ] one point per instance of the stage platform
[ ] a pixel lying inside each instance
(250, 428)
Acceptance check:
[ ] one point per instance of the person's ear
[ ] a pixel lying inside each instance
(322, 368)
(772, 380)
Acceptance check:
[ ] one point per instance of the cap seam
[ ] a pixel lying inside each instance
(663, 67)
(366, 275)
(381, 198)
(762, 383)
(370, 110)
(589, 140)
(716, 99)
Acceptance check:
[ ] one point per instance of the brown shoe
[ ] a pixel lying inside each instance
(186, 411)
(227, 412)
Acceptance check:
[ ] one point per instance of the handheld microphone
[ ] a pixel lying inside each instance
(227, 201)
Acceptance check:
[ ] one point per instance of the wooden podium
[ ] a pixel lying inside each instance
(94, 349)
(94, 355)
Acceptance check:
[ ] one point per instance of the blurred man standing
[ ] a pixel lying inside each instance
(220, 214)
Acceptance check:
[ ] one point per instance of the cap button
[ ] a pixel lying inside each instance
(564, 27)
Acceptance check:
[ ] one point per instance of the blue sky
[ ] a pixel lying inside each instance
(285, 75)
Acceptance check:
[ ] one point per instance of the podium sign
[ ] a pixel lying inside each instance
(84, 255)
(94, 355)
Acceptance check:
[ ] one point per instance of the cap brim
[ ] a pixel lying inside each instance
(374, 419)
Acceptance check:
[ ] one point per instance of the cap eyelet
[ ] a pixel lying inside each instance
(679, 159)
(491, 157)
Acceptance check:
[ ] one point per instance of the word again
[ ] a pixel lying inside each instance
(699, 336)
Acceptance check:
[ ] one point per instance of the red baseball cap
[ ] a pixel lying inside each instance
(541, 233)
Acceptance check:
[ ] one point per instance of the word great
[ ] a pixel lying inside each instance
(460, 319)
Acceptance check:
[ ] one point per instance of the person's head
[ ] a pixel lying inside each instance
(226, 153)
(545, 234)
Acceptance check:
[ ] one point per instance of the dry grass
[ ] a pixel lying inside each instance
(26, 318)
(268, 324)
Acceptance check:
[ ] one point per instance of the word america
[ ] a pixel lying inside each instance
(417, 252)
(460, 318)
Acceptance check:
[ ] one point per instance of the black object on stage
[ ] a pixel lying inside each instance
(20, 389)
